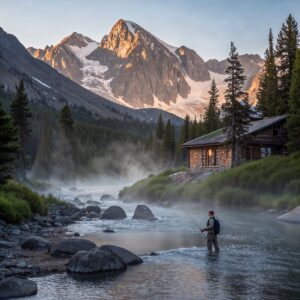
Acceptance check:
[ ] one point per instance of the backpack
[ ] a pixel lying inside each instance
(217, 226)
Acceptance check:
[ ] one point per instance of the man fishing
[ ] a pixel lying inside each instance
(213, 229)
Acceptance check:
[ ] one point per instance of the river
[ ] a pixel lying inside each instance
(259, 258)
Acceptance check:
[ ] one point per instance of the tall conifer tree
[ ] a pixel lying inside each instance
(8, 145)
(236, 107)
(167, 143)
(287, 43)
(212, 111)
(21, 116)
(267, 96)
(293, 123)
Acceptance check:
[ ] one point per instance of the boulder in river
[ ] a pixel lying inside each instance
(93, 209)
(105, 197)
(13, 287)
(71, 246)
(77, 201)
(292, 216)
(93, 202)
(114, 213)
(128, 257)
(143, 212)
(35, 243)
(95, 260)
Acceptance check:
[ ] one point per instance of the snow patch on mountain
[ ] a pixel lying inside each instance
(197, 99)
(131, 26)
(93, 72)
(42, 83)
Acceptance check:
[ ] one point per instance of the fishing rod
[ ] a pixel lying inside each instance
(204, 236)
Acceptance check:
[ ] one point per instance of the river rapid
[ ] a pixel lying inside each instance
(259, 258)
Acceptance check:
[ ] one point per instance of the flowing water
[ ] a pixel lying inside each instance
(259, 258)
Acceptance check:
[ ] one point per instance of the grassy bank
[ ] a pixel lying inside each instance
(272, 182)
(18, 202)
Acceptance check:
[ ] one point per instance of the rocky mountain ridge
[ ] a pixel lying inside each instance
(46, 86)
(133, 67)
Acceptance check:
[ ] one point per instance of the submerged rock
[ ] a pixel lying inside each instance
(292, 216)
(71, 246)
(143, 212)
(77, 201)
(17, 287)
(95, 260)
(114, 213)
(35, 243)
(108, 230)
(128, 257)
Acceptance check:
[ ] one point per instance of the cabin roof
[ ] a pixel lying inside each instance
(220, 137)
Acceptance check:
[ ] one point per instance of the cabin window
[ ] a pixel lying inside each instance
(265, 151)
(210, 157)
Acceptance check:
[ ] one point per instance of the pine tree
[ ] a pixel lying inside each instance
(287, 43)
(184, 137)
(43, 163)
(21, 116)
(293, 124)
(67, 123)
(160, 128)
(267, 94)
(236, 107)
(193, 129)
(212, 111)
(167, 143)
(8, 145)
(185, 130)
(65, 154)
(173, 141)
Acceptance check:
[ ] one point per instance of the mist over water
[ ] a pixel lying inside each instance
(259, 258)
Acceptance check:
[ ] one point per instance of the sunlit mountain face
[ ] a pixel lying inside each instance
(133, 67)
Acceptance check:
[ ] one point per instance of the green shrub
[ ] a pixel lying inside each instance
(293, 187)
(37, 203)
(235, 197)
(50, 199)
(13, 209)
(272, 182)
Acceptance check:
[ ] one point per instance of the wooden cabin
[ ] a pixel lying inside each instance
(263, 138)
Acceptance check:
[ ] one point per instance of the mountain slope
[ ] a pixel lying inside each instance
(135, 68)
(45, 85)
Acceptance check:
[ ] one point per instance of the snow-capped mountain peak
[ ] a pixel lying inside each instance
(133, 67)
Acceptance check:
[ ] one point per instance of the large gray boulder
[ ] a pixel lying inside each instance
(71, 247)
(143, 212)
(114, 213)
(106, 197)
(35, 243)
(17, 287)
(95, 260)
(292, 216)
(93, 209)
(128, 257)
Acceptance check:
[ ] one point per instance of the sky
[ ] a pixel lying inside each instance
(207, 26)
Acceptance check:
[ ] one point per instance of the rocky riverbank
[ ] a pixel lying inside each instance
(41, 245)
(18, 258)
